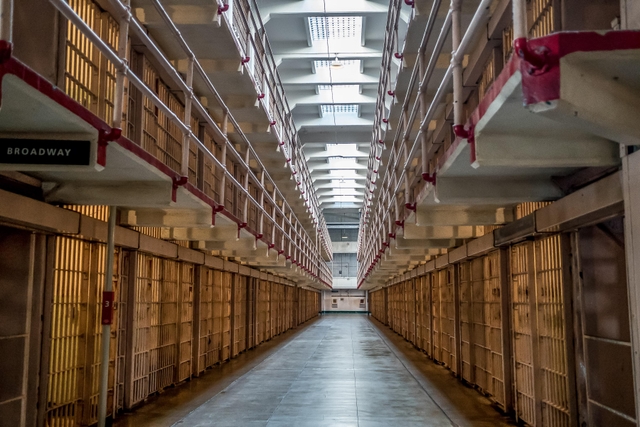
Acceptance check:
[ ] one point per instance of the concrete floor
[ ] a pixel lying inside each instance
(339, 370)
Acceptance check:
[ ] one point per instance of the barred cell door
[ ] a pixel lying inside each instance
(226, 314)
(466, 321)
(75, 333)
(240, 314)
(447, 317)
(540, 346)
(522, 290)
(419, 311)
(426, 314)
(492, 325)
(185, 333)
(552, 343)
(435, 316)
(209, 351)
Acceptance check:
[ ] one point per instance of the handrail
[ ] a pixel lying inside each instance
(202, 110)
(282, 98)
(122, 67)
(378, 219)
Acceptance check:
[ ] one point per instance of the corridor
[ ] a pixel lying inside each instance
(340, 370)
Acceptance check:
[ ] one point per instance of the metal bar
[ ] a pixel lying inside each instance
(106, 328)
(519, 19)
(121, 67)
(456, 61)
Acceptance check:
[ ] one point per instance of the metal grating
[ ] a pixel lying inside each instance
(335, 27)
(347, 64)
(347, 109)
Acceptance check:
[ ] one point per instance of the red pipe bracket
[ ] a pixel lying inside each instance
(6, 50)
(104, 137)
(410, 206)
(431, 179)
(538, 59)
(222, 9)
(178, 181)
(469, 135)
(398, 55)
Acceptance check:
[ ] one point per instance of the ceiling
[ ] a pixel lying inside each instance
(333, 101)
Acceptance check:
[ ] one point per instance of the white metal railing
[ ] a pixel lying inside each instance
(377, 221)
(299, 242)
(286, 131)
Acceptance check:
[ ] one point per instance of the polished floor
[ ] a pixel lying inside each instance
(339, 370)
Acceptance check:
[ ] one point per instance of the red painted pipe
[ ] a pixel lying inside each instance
(429, 178)
(410, 206)
(537, 60)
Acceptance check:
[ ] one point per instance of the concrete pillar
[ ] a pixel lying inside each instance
(630, 14)
(630, 188)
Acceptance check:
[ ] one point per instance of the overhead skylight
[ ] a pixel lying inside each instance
(348, 64)
(339, 93)
(335, 27)
(348, 184)
(349, 109)
(342, 149)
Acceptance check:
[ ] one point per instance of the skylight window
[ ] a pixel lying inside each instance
(351, 109)
(335, 27)
(350, 64)
(342, 149)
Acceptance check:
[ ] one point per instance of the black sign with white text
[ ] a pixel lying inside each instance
(45, 152)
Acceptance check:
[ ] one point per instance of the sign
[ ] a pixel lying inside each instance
(107, 307)
(17, 151)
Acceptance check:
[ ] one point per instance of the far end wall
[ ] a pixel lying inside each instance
(344, 300)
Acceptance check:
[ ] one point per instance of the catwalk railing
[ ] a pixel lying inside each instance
(105, 73)
(405, 153)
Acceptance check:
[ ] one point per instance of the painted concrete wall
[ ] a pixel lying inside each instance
(345, 300)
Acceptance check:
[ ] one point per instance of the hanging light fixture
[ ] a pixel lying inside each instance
(336, 64)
